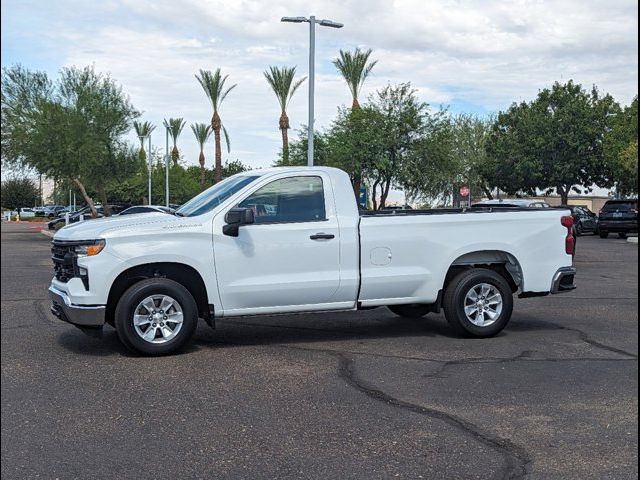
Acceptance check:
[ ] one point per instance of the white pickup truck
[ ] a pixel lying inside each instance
(286, 240)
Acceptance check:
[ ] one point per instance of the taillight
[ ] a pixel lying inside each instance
(570, 240)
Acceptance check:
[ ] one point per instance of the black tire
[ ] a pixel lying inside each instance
(622, 235)
(454, 302)
(137, 293)
(579, 230)
(603, 234)
(413, 310)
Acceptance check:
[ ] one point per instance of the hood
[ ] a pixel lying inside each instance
(114, 226)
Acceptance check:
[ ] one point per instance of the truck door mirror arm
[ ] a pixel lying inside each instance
(235, 218)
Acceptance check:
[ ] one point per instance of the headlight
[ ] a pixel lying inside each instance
(89, 249)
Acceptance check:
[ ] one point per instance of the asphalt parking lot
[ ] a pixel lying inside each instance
(366, 395)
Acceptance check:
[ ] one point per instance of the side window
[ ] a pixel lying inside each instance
(295, 199)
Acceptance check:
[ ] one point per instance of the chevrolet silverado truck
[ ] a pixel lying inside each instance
(290, 240)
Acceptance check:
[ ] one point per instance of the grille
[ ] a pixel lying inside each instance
(64, 261)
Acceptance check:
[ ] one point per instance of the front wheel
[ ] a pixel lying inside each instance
(478, 303)
(603, 234)
(156, 316)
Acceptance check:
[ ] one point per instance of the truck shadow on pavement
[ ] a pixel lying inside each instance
(292, 329)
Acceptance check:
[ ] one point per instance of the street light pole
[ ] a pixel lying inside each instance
(312, 78)
(166, 167)
(150, 203)
(312, 52)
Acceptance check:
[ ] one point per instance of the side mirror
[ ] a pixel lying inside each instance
(235, 218)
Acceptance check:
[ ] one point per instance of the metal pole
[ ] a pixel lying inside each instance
(312, 52)
(149, 197)
(166, 168)
(69, 197)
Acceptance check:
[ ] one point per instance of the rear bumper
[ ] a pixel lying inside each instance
(79, 315)
(563, 280)
(619, 226)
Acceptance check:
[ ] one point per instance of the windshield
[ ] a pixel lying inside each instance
(214, 196)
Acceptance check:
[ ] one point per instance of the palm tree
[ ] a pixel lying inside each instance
(202, 132)
(175, 126)
(143, 130)
(282, 84)
(213, 86)
(355, 68)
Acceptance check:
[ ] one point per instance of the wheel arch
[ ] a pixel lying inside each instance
(184, 274)
(503, 263)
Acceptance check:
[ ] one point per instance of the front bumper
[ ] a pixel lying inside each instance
(563, 280)
(79, 315)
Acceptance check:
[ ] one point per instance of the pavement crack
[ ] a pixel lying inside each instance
(584, 336)
(515, 456)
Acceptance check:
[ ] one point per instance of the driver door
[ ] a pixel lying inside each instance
(289, 259)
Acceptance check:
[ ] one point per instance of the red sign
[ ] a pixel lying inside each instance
(464, 191)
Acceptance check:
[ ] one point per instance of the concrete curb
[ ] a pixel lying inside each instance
(633, 240)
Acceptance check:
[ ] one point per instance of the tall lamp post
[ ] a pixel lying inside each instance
(166, 166)
(312, 52)
(142, 138)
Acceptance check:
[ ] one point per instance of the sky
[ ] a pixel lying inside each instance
(469, 56)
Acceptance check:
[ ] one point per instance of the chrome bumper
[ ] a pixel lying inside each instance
(80, 315)
(563, 280)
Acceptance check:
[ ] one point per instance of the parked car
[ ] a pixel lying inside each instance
(49, 211)
(512, 203)
(147, 209)
(584, 220)
(619, 216)
(86, 212)
(398, 207)
(27, 212)
(292, 239)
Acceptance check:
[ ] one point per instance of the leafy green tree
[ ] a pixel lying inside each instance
(298, 150)
(231, 167)
(18, 192)
(355, 68)
(213, 85)
(469, 135)
(553, 142)
(228, 169)
(404, 125)
(428, 175)
(202, 132)
(283, 85)
(72, 129)
(356, 144)
(174, 126)
(621, 149)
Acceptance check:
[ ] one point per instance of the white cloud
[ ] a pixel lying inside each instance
(469, 54)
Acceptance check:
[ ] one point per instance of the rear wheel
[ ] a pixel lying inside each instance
(156, 316)
(413, 310)
(603, 234)
(478, 303)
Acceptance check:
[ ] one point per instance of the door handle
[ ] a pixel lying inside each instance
(322, 236)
